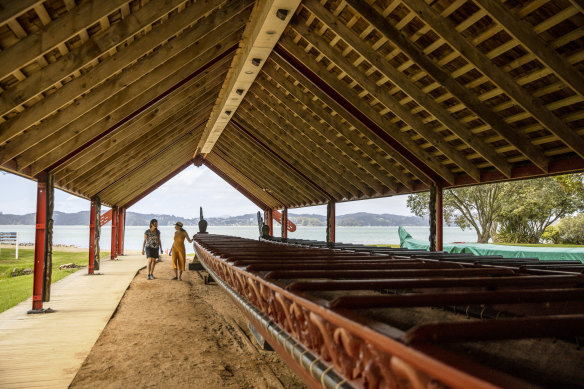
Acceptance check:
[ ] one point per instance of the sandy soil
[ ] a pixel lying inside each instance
(177, 334)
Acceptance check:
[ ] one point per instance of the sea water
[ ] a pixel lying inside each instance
(79, 235)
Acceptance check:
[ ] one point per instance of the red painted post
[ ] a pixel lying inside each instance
(114, 240)
(121, 230)
(39, 243)
(330, 221)
(439, 219)
(91, 238)
(285, 222)
(270, 221)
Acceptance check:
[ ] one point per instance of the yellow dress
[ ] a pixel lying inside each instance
(178, 251)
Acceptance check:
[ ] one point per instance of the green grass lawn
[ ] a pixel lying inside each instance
(14, 290)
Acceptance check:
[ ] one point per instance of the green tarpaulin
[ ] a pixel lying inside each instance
(543, 253)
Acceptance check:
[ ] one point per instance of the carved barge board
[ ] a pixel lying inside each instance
(457, 323)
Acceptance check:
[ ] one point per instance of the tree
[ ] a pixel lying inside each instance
(533, 205)
(475, 207)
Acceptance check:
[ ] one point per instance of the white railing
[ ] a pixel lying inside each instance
(9, 238)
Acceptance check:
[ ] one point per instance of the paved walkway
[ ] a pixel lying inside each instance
(47, 350)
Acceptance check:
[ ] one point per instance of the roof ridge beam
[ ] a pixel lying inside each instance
(268, 20)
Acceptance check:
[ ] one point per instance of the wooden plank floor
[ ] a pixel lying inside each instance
(47, 350)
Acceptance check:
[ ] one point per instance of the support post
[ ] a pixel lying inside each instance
(121, 230)
(39, 243)
(439, 219)
(114, 240)
(270, 221)
(330, 221)
(434, 223)
(285, 223)
(92, 223)
(48, 256)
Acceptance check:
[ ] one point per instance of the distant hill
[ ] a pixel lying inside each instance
(360, 219)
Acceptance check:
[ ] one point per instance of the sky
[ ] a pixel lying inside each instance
(181, 196)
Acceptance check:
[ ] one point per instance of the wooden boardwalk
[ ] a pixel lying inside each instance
(47, 350)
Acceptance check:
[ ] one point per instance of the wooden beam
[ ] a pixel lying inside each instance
(523, 32)
(334, 159)
(270, 151)
(147, 72)
(157, 114)
(511, 135)
(127, 56)
(14, 9)
(336, 123)
(369, 133)
(239, 179)
(120, 108)
(503, 80)
(267, 22)
(330, 221)
(63, 29)
(290, 151)
(356, 157)
(388, 101)
(291, 49)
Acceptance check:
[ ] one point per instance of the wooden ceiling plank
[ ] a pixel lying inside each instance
(352, 120)
(13, 9)
(336, 123)
(235, 176)
(82, 55)
(119, 165)
(42, 155)
(503, 80)
(511, 135)
(167, 55)
(126, 56)
(421, 98)
(240, 188)
(259, 179)
(381, 121)
(151, 171)
(262, 169)
(120, 106)
(156, 115)
(246, 145)
(269, 149)
(56, 32)
(291, 154)
(124, 154)
(17, 28)
(524, 33)
(335, 158)
(267, 22)
(356, 158)
(416, 122)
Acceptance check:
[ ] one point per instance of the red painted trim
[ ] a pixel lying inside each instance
(144, 107)
(562, 166)
(39, 243)
(156, 186)
(331, 221)
(350, 108)
(91, 265)
(439, 219)
(114, 240)
(234, 184)
(277, 216)
(271, 221)
(278, 156)
(105, 218)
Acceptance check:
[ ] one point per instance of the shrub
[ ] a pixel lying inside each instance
(571, 229)
(551, 235)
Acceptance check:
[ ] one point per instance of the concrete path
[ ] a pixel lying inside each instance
(47, 350)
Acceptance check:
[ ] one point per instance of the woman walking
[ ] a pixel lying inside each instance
(152, 244)
(178, 250)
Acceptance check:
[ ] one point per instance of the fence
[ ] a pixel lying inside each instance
(9, 238)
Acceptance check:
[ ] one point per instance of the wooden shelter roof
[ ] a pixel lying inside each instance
(337, 99)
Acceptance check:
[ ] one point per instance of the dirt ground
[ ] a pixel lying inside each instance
(178, 334)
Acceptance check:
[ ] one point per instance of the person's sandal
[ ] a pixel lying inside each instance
(174, 278)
